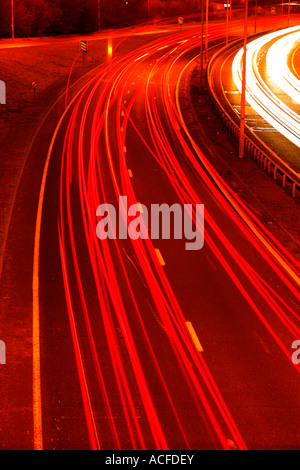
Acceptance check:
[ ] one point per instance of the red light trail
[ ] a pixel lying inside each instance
(110, 118)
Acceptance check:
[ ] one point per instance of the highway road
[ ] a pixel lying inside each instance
(272, 90)
(141, 344)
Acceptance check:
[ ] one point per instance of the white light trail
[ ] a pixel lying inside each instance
(258, 94)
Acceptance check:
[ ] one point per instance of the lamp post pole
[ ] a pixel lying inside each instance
(12, 20)
(243, 97)
(206, 31)
(99, 16)
(201, 46)
(227, 21)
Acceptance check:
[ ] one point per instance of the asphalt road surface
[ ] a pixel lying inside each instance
(141, 344)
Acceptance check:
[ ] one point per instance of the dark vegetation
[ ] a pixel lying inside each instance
(55, 17)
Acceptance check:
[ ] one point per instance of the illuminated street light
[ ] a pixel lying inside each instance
(243, 97)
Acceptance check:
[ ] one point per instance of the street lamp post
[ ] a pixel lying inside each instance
(99, 16)
(243, 97)
(201, 47)
(206, 31)
(12, 20)
(255, 21)
(227, 21)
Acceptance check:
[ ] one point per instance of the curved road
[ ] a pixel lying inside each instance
(141, 344)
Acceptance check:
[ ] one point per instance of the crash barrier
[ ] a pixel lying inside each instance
(255, 147)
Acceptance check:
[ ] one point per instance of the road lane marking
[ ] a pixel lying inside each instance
(36, 359)
(163, 47)
(141, 57)
(36, 350)
(194, 336)
(159, 256)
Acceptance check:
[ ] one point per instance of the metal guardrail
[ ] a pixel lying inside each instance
(254, 146)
